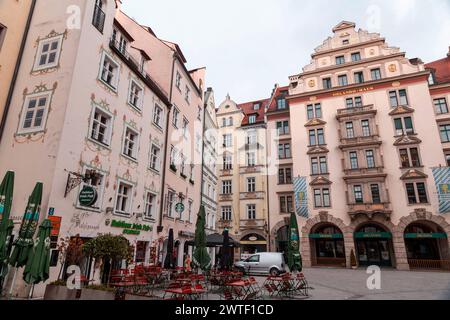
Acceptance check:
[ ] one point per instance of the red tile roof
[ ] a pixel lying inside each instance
(278, 92)
(247, 109)
(441, 68)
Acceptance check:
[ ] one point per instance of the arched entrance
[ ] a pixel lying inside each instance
(253, 243)
(282, 239)
(426, 246)
(327, 246)
(374, 245)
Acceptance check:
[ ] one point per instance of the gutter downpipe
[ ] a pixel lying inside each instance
(16, 70)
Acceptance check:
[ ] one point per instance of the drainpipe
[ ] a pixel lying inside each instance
(16, 70)
(267, 194)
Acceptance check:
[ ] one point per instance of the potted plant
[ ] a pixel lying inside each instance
(353, 262)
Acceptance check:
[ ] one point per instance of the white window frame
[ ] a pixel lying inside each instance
(135, 149)
(171, 202)
(140, 96)
(251, 184)
(175, 117)
(153, 156)
(39, 53)
(227, 212)
(115, 80)
(152, 205)
(129, 197)
(161, 116)
(227, 187)
(109, 129)
(251, 211)
(43, 125)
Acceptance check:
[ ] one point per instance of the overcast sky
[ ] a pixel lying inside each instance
(249, 45)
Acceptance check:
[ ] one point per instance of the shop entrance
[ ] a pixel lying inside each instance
(282, 240)
(141, 251)
(374, 246)
(327, 245)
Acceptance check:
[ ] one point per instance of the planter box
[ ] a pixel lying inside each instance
(53, 292)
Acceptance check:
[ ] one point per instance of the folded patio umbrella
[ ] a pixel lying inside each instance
(225, 261)
(294, 257)
(24, 243)
(169, 262)
(6, 224)
(38, 264)
(201, 257)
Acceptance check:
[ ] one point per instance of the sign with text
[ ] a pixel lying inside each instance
(56, 225)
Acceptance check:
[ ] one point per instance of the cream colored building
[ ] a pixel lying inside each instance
(14, 15)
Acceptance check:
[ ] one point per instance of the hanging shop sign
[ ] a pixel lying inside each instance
(425, 236)
(88, 196)
(56, 225)
(179, 207)
(131, 228)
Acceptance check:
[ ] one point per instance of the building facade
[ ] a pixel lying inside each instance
(366, 151)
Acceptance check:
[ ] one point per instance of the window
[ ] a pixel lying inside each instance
(158, 116)
(319, 165)
(326, 82)
(185, 128)
(252, 137)
(173, 155)
(314, 111)
(226, 213)
(183, 165)
(190, 203)
(440, 106)
(130, 143)
(316, 137)
(97, 182)
(150, 205)
(119, 41)
(2, 35)
(283, 127)
(445, 132)
(34, 113)
(398, 98)
(354, 160)
(447, 158)
(199, 113)
(284, 151)
(359, 77)
(171, 203)
(109, 72)
(155, 158)
(123, 199)
(178, 80)
(252, 119)
(370, 159)
(281, 103)
(356, 56)
(175, 117)
(227, 162)
(322, 198)
(251, 159)
(136, 95)
(358, 193)
(416, 193)
(285, 176)
(349, 130)
(251, 184)
(256, 106)
(251, 211)
(345, 42)
(340, 60)
(375, 190)
(343, 80)
(98, 20)
(226, 187)
(355, 102)
(365, 128)
(227, 140)
(409, 158)
(191, 172)
(403, 126)
(48, 53)
(375, 74)
(101, 127)
(286, 204)
(187, 96)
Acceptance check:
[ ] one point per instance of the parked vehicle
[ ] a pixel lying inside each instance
(272, 263)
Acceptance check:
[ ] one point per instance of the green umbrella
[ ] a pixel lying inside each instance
(201, 258)
(38, 265)
(6, 224)
(294, 257)
(24, 242)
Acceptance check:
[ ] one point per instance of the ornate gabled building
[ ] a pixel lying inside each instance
(366, 150)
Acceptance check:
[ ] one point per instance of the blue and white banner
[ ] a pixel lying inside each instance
(442, 180)
(301, 196)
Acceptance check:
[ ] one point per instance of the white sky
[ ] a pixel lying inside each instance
(249, 45)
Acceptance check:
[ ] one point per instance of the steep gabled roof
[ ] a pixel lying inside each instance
(441, 69)
(279, 92)
(248, 110)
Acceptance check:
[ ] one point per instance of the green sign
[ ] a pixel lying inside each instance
(88, 196)
(373, 235)
(131, 228)
(425, 236)
(326, 236)
(179, 207)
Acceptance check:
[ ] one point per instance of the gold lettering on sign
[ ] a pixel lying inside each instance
(349, 92)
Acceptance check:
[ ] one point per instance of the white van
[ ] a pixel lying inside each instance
(263, 263)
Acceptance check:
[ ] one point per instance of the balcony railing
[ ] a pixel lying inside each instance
(369, 207)
(355, 110)
(250, 169)
(363, 171)
(225, 197)
(252, 224)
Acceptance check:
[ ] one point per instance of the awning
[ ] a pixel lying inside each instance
(326, 236)
(425, 236)
(215, 240)
(373, 235)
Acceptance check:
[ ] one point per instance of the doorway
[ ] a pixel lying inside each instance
(374, 246)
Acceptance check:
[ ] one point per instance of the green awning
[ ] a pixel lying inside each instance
(326, 236)
(373, 235)
(425, 236)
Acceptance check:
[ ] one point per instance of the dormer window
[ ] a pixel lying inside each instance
(256, 106)
(345, 42)
(281, 103)
(119, 41)
(252, 119)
